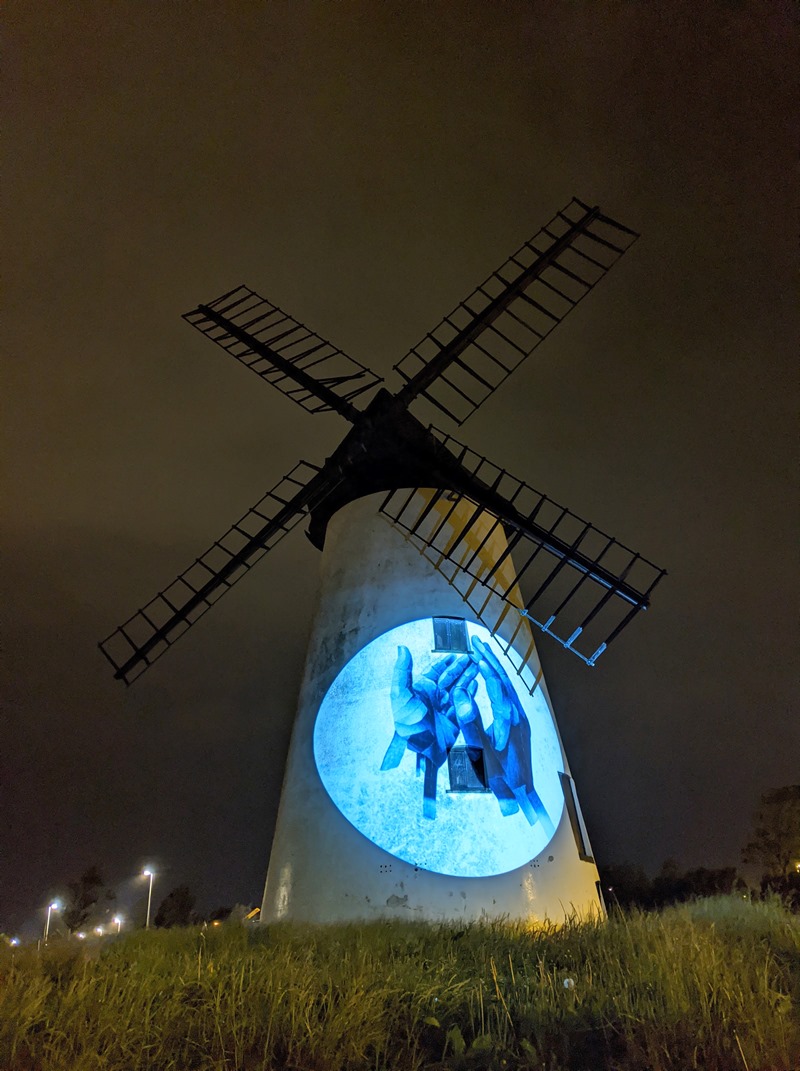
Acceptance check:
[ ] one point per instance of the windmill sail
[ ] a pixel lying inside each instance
(284, 352)
(489, 334)
(143, 638)
(578, 584)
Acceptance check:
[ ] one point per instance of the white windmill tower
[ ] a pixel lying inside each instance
(426, 777)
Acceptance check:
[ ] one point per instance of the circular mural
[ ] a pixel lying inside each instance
(430, 745)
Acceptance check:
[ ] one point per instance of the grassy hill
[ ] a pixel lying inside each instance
(713, 984)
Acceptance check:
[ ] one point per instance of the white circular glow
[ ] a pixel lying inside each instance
(372, 760)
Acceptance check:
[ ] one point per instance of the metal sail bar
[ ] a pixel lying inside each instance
(504, 620)
(284, 352)
(143, 638)
(489, 334)
(573, 581)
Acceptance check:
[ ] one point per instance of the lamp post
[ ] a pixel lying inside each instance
(54, 906)
(117, 920)
(148, 873)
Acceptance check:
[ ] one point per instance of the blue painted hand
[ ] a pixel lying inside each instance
(507, 742)
(431, 712)
(425, 721)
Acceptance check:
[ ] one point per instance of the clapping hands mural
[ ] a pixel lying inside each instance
(420, 744)
(431, 712)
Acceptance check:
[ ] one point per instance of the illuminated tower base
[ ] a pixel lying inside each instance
(426, 778)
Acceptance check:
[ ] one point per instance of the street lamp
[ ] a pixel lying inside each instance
(54, 906)
(117, 920)
(148, 873)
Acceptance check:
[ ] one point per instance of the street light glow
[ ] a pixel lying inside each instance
(148, 873)
(51, 907)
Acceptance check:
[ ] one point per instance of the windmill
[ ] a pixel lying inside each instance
(425, 774)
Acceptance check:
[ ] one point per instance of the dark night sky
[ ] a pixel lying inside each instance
(365, 164)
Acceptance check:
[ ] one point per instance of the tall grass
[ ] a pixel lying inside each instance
(712, 985)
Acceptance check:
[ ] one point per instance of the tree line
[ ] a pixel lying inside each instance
(89, 899)
(774, 847)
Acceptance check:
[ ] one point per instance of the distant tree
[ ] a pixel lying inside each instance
(787, 888)
(775, 843)
(703, 881)
(670, 886)
(625, 885)
(176, 909)
(220, 914)
(83, 896)
(628, 886)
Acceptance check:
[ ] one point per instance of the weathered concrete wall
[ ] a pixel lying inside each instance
(321, 868)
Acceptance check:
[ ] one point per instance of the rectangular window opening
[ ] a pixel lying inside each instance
(576, 819)
(450, 634)
(466, 769)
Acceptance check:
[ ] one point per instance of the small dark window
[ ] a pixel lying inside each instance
(467, 773)
(568, 785)
(450, 634)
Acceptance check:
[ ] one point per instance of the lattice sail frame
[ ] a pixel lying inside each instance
(237, 319)
(438, 544)
(152, 630)
(490, 333)
(584, 609)
(456, 367)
